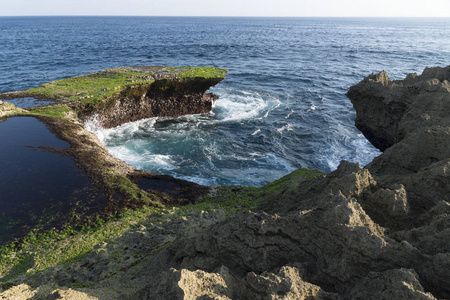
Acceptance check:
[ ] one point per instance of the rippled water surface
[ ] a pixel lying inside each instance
(282, 106)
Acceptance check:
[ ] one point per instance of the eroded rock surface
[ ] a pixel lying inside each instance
(163, 98)
(382, 232)
(389, 111)
(8, 109)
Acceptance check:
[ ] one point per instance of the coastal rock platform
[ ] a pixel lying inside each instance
(378, 232)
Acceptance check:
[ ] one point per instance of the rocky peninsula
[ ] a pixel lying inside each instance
(378, 232)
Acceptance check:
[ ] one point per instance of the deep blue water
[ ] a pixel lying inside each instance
(36, 185)
(282, 106)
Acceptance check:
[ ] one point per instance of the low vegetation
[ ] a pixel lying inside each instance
(98, 86)
(39, 251)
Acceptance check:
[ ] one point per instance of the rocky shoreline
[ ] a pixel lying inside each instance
(381, 232)
(136, 93)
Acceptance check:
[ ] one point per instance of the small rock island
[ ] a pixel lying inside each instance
(378, 232)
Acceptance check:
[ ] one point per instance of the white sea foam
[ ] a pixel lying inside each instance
(289, 114)
(143, 160)
(256, 131)
(240, 108)
(124, 131)
(312, 107)
(244, 105)
(287, 127)
(93, 124)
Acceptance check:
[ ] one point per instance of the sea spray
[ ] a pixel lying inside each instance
(199, 147)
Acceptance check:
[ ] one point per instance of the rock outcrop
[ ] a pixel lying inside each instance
(8, 109)
(125, 94)
(388, 111)
(163, 98)
(381, 232)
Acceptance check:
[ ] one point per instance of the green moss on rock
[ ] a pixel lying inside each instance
(98, 86)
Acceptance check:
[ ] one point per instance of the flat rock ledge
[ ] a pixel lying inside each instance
(381, 232)
(126, 94)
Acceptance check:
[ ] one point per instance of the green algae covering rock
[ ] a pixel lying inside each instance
(119, 95)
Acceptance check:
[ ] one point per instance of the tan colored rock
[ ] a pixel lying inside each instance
(9, 109)
(287, 284)
(19, 292)
(389, 207)
(391, 284)
(200, 284)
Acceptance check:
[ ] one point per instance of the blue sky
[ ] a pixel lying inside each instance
(307, 8)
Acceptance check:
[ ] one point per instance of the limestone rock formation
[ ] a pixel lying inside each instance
(388, 111)
(125, 94)
(8, 109)
(381, 232)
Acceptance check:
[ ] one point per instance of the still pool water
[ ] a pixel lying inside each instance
(37, 186)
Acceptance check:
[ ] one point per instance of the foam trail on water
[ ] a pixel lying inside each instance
(256, 131)
(287, 127)
(289, 114)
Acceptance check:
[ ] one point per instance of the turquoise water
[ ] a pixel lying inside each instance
(282, 106)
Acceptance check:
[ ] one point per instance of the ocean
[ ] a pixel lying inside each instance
(281, 107)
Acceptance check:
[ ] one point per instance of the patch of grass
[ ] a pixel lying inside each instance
(291, 180)
(230, 198)
(238, 198)
(131, 190)
(93, 88)
(90, 88)
(60, 111)
(193, 72)
(40, 251)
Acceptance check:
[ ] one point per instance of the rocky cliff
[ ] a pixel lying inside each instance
(120, 95)
(381, 232)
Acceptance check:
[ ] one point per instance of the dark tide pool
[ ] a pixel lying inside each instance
(37, 186)
(28, 102)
